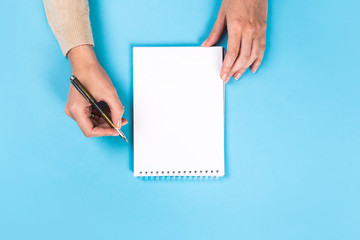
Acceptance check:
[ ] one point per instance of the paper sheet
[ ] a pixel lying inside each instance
(178, 111)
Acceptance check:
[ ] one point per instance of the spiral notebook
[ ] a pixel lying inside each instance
(178, 112)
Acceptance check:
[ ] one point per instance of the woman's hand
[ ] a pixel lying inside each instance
(246, 24)
(89, 72)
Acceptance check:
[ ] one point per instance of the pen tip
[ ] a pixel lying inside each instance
(121, 134)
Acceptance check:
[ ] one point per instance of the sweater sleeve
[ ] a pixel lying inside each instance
(69, 20)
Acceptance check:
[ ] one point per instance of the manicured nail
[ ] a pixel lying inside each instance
(203, 44)
(237, 76)
(254, 69)
(118, 124)
(116, 134)
(223, 77)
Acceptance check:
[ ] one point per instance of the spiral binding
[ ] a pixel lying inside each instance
(195, 174)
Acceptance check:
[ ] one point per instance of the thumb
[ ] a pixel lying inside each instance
(217, 30)
(116, 110)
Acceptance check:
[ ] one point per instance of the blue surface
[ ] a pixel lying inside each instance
(292, 131)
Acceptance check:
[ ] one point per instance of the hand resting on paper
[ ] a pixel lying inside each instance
(245, 21)
(89, 72)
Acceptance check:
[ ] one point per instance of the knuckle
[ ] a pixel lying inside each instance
(73, 108)
(259, 30)
(118, 108)
(113, 94)
(250, 29)
(255, 55)
(246, 57)
(263, 26)
(67, 112)
(237, 22)
(87, 134)
(232, 54)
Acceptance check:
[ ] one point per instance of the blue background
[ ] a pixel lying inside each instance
(292, 130)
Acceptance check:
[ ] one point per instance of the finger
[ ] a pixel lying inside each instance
(87, 126)
(81, 116)
(100, 131)
(257, 62)
(124, 122)
(241, 68)
(68, 113)
(103, 125)
(97, 123)
(106, 125)
(116, 109)
(244, 55)
(233, 47)
(217, 30)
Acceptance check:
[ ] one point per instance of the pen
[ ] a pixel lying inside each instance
(83, 91)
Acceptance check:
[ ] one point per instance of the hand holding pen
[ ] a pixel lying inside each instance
(94, 78)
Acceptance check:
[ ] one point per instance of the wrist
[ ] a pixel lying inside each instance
(82, 58)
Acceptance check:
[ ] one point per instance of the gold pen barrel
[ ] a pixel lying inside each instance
(77, 84)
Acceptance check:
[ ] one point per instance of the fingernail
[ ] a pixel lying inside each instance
(118, 124)
(116, 134)
(203, 44)
(223, 77)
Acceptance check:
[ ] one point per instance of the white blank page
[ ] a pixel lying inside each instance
(178, 111)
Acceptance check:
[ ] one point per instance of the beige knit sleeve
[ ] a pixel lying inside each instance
(70, 22)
